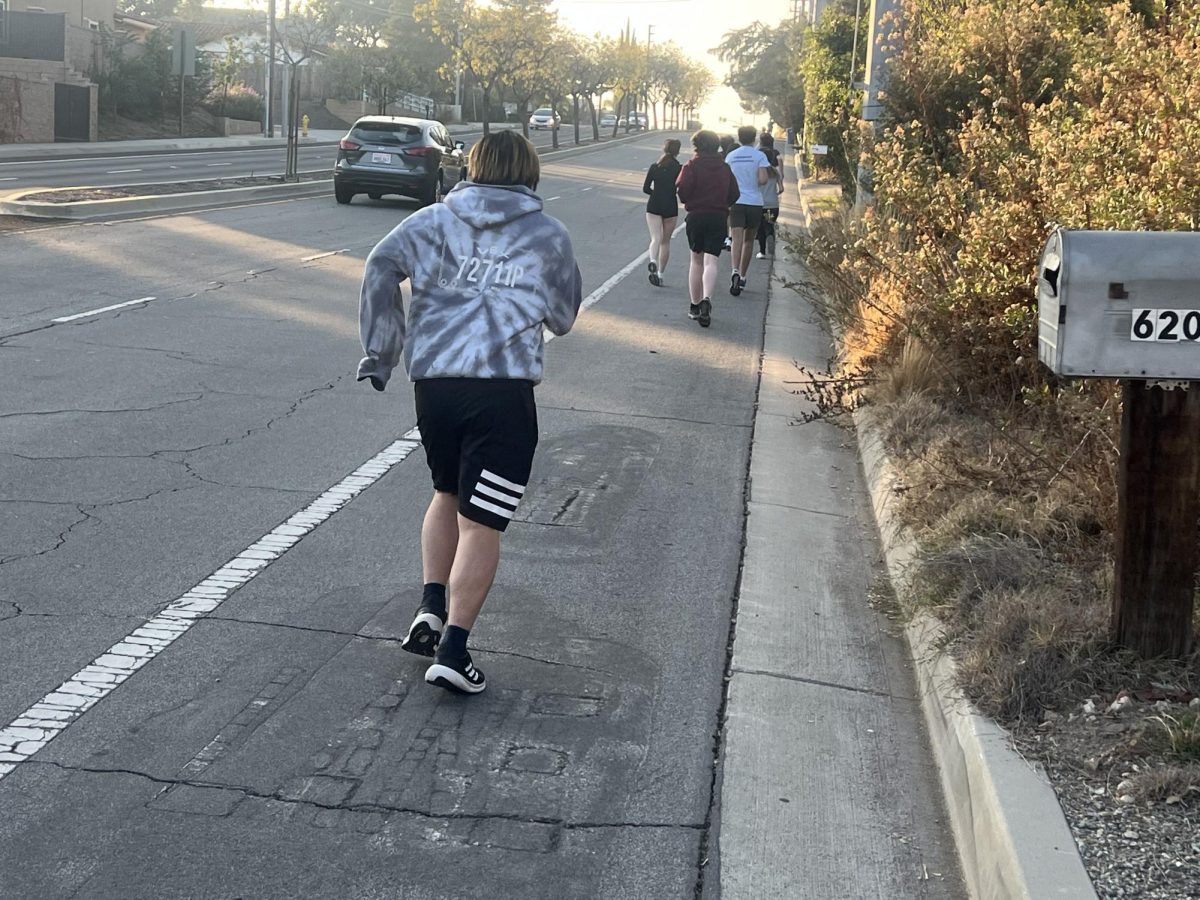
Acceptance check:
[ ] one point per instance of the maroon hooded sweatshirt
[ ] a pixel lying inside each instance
(707, 185)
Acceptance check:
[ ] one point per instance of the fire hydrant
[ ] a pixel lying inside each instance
(304, 124)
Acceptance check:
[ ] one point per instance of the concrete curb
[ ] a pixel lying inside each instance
(125, 206)
(1012, 836)
(103, 149)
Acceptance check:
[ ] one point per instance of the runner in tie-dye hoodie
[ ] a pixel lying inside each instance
(489, 272)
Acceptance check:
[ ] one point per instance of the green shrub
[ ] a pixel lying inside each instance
(240, 102)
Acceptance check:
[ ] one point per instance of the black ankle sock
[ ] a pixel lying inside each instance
(434, 599)
(454, 642)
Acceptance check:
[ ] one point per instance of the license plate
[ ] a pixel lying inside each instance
(381, 158)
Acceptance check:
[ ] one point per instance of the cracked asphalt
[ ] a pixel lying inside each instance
(284, 746)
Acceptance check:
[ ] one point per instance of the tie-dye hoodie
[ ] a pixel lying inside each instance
(489, 271)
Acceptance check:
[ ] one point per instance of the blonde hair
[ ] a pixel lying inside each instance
(504, 158)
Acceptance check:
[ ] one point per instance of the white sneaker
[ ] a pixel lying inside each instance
(760, 256)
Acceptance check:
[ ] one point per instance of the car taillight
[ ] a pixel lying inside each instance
(419, 151)
(344, 144)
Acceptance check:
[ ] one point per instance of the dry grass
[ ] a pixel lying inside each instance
(1012, 502)
(1167, 784)
(1182, 735)
(916, 372)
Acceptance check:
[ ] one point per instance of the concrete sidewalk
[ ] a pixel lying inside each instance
(829, 786)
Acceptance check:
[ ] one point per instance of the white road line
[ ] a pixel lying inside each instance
(49, 717)
(585, 190)
(121, 171)
(323, 255)
(29, 732)
(10, 178)
(103, 309)
(548, 199)
(215, 165)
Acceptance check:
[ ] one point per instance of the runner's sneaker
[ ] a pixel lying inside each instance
(654, 279)
(693, 310)
(741, 284)
(424, 633)
(458, 675)
(760, 255)
(705, 316)
(735, 284)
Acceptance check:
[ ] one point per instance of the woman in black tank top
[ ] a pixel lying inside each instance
(662, 209)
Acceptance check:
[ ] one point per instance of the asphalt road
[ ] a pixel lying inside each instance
(283, 746)
(148, 168)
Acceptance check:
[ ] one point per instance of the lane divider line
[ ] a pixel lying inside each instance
(103, 309)
(33, 729)
(45, 720)
(316, 256)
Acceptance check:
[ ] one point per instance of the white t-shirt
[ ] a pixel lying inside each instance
(745, 162)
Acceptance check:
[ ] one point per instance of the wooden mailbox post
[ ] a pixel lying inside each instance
(1126, 305)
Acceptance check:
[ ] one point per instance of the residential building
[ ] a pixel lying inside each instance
(45, 94)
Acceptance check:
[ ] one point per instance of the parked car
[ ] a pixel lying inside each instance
(544, 118)
(394, 155)
(639, 122)
(608, 120)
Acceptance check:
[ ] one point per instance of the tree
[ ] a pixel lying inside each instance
(536, 42)
(148, 9)
(585, 78)
(301, 37)
(762, 68)
(482, 40)
(227, 69)
(832, 53)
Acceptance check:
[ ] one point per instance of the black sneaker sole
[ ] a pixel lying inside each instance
(422, 637)
(447, 678)
(655, 280)
(705, 317)
(735, 288)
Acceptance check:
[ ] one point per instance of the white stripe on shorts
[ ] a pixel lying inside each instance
(492, 507)
(518, 489)
(507, 499)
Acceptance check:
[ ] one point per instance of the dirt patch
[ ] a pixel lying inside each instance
(116, 192)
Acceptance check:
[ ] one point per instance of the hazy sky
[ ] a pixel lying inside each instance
(695, 25)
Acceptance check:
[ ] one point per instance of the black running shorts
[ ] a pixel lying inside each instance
(743, 215)
(706, 232)
(479, 436)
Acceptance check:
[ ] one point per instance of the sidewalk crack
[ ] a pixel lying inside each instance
(799, 679)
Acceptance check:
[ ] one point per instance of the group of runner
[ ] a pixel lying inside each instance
(490, 272)
(731, 194)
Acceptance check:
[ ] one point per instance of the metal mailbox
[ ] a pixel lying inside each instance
(1120, 304)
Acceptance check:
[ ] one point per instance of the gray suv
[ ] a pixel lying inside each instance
(393, 155)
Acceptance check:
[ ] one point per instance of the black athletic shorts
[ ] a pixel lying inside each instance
(706, 232)
(479, 436)
(743, 215)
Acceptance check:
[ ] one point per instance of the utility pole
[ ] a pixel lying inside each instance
(285, 99)
(269, 129)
